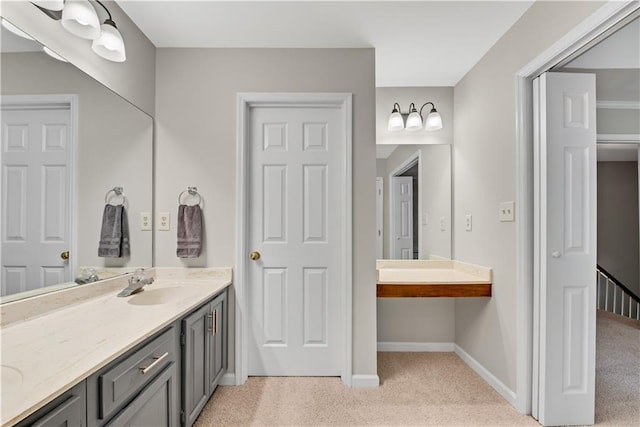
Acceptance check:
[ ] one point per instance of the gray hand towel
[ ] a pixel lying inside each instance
(114, 235)
(189, 231)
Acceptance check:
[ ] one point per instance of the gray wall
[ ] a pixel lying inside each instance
(196, 145)
(618, 231)
(114, 148)
(133, 79)
(484, 164)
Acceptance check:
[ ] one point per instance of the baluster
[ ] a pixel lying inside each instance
(606, 295)
(615, 294)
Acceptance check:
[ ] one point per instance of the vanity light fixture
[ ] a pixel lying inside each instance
(15, 30)
(81, 19)
(110, 44)
(53, 54)
(414, 118)
(49, 4)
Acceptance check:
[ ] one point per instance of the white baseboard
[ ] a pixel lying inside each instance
(491, 379)
(365, 381)
(228, 379)
(416, 346)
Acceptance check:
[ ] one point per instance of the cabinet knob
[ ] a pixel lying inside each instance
(254, 255)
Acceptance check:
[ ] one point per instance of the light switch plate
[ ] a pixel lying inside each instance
(164, 221)
(507, 211)
(468, 222)
(145, 221)
(425, 218)
(443, 224)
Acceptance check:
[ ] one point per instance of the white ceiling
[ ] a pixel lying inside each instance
(418, 43)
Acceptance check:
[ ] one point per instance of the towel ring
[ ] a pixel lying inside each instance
(117, 192)
(192, 191)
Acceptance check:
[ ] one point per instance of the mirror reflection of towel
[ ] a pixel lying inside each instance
(114, 235)
(189, 231)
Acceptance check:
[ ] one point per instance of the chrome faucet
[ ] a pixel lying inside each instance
(137, 282)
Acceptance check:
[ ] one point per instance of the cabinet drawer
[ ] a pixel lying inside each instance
(122, 381)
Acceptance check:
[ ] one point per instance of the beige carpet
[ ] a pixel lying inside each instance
(617, 370)
(422, 389)
(426, 389)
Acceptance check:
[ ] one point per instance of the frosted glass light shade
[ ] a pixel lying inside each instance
(49, 4)
(414, 121)
(395, 121)
(53, 54)
(80, 19)
(110, 44)
(434, 121)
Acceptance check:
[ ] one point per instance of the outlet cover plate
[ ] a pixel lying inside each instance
(145, 221)
(164, 221)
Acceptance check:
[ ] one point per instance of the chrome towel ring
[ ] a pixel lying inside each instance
(191, 191)
(117, 192)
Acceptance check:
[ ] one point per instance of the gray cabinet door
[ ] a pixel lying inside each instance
(66, 410)
(195, 354)
(218, 342)
(154, 406)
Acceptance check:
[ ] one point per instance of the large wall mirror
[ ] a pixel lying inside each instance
(67, 143)
(413, 185)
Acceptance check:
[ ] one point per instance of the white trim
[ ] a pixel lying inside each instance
(486, 375)
(618, 105)
(416, 346)
(245, 101)
(404, 166)
(70, 101)
(584, 33)
(365, 381)
(618, 138)
(380, 216)
(228, 379)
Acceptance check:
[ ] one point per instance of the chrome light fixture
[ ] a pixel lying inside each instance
(414, 118)
(81, 19)
(110, 44)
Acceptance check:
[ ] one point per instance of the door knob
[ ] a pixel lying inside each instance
(64, 255)
(254, 255)
(555, 254)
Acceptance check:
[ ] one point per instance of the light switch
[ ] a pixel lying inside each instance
(425, 218)
(145, 221)
(164, 219)
(507, 211)
(468, 222)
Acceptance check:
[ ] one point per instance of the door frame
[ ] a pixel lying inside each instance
(31, 102)
(582, 37)
(403, 167)
(380, 217)
(245, 102)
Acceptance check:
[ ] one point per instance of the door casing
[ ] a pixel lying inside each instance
(246, 101)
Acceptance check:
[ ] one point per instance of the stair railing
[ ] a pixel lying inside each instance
(615, 297)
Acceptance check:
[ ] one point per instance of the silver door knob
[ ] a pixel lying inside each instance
(555, 254)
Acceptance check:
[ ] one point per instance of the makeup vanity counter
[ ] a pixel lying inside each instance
(432, 278)
(85, 328)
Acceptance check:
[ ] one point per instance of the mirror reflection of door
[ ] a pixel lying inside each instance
(404, 213)
(36, 193)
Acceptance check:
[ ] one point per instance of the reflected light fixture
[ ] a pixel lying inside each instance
(53, 54)
(15, 30)
(49, 4)
(414, 118)
(81, 19)
(110, 44)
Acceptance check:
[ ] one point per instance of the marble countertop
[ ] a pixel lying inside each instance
(429, 272)
(42, 356)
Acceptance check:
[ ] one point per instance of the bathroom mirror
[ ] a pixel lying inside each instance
(67, 141)
(416, 202)
(413, 184)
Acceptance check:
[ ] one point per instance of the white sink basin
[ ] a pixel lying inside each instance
(159, 295)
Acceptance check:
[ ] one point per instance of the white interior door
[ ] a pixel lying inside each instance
(36, 194)
(379, 218)
(566, 260)
(402, 217)
(295, 287)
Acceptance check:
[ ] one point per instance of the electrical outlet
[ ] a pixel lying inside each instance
(164, 219)
(468, 222)
(145, 221)
(443, 224)
(425, 218)
(507, 211)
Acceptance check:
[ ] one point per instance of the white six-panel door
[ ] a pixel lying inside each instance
(295, 288)
(402, 217)
(567, 252)
(36, 159)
